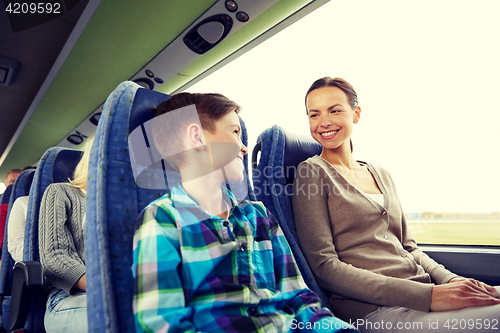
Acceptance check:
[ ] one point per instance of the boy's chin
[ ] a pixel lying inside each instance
(235, 176)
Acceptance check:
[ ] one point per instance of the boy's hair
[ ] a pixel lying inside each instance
(168, 132)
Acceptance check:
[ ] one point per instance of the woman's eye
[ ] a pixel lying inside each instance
(313, 116)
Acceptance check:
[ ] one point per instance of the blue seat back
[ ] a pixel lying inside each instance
(20, 188)
(273, 175)
(4, 203)
(56, 166)
(114, 202)
(6, 195)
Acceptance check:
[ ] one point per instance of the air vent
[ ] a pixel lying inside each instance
(8, 71)
(208, 33)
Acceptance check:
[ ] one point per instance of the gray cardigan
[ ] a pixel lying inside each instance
(361, 252)
(61, 237)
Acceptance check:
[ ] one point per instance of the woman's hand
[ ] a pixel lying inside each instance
(461, 293)
(81, 283)
(487, 288)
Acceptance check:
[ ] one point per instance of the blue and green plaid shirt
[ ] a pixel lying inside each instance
(196, 272)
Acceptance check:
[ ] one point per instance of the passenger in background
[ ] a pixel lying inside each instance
(62, 250)
(203, 261)
(356, 239)
(11, 177)
(16, 226)
(4, 209)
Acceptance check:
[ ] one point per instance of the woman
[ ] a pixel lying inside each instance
(355, 236)
(62, 250)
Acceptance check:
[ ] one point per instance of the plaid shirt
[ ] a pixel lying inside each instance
(197, 272)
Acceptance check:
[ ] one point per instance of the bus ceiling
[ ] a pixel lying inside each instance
(68, 66)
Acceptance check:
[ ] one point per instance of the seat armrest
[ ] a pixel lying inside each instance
(27, 279)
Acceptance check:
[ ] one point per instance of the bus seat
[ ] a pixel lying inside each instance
(4, 207)
(28, 300)
(273, 174)
(6, 195)
(114, 201)
(20, 188)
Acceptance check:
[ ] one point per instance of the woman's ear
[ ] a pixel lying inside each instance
(195, 136)
(357, 114)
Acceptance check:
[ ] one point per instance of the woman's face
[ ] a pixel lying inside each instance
(331, 117)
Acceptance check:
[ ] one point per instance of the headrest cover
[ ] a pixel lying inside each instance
(65, 164)
(298, 148)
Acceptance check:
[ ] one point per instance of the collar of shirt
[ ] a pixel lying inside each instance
(183, 199)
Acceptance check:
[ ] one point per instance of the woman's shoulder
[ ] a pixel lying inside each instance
(314, 166)
(314, 162)
(316, 159)
(381, 171)
(65, 189)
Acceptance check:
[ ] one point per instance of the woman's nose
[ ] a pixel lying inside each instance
(325, 122)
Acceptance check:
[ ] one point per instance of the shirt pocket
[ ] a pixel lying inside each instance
(263, 264)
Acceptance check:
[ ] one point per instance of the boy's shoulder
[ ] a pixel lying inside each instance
(254, 207)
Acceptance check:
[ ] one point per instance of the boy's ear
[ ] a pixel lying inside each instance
(195, 136)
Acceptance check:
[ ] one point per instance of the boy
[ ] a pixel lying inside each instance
(203, 261)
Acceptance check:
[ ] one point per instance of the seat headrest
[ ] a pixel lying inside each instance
(6, 194)
(144, 106)
(65, 164)
(298, 148)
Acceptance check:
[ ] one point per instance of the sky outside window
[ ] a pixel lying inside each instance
(427, 74)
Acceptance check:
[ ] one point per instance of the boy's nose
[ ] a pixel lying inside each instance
(244, 149)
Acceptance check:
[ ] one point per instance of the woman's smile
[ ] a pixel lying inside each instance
(329, 134)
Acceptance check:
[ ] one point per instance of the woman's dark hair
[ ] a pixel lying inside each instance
(342, 84)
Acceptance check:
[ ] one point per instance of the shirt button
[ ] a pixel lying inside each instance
(252, 311)
(384, 213)
(226, 223)
(243, 247)
(385, 236)
(403, 255)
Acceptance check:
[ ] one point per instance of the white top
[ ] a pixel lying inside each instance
(378, 198)
(16, 226)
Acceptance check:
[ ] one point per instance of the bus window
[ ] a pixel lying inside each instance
(426, 74)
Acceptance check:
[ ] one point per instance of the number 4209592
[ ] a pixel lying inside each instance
(32, 8)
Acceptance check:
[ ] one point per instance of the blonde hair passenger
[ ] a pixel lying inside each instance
(80, 176)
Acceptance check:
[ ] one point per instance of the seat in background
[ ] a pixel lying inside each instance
(28, 308)
(4, 207)
(115, 201)
(273, 174)
(20, 188)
